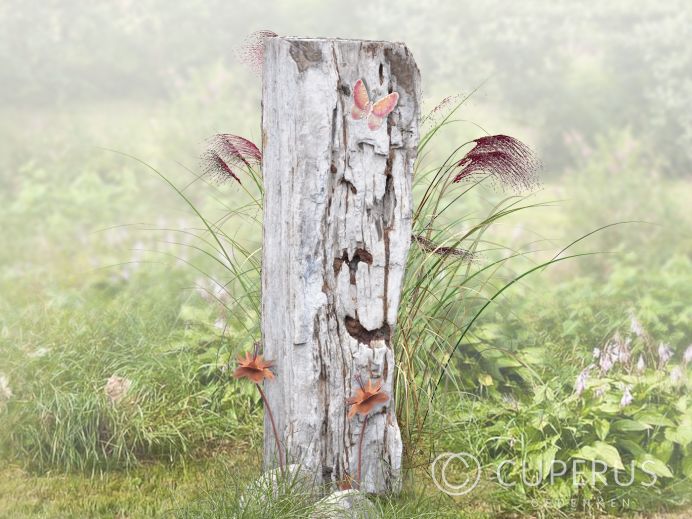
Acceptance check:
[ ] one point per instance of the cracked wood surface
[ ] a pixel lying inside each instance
(337, 230)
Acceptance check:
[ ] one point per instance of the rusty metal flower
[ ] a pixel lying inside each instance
(366, 398)
(347, 482)
(253, 367)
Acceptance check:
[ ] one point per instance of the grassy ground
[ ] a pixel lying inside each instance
(207, 486)
(154, 489)
(211, 486)
(150, 491)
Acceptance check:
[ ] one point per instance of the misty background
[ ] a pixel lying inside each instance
(601, 92)
(105, 275)
(557, 69)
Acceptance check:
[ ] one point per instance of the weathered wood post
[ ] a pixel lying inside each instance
(337, 227)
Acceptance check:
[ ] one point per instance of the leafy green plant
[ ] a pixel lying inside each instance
(601, 374)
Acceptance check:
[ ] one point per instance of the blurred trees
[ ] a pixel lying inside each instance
(564, 68)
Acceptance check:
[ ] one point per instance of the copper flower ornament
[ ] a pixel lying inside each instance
(256, 369)
(367, 398)
(253, 367)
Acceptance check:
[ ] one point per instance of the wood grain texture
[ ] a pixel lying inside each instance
(337, 227)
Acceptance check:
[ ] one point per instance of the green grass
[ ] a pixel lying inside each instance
(207, 487)
(152, 490)
(215, 485)
(58, 360)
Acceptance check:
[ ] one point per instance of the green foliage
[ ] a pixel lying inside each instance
(495, 376)
(445, 294)
(59, 357)
(531, 414)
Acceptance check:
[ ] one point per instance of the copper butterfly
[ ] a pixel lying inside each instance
(375, 112)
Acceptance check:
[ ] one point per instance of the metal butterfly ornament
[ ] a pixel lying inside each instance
(375, 112)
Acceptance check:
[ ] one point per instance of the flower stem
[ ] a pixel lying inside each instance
(360, 449)
(276, 434)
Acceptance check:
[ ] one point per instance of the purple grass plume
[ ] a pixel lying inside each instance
(508, 160)
(227, 154)
(251, 51)
(441, 110)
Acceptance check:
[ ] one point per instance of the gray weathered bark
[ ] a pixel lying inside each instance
(337, 227)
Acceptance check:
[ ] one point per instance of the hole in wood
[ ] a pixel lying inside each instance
(362, 255)
(362, 335)
(358, 256)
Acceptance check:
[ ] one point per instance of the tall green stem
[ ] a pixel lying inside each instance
(276, 434)
(360, 449)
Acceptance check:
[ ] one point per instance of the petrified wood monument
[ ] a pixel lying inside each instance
(337, 227)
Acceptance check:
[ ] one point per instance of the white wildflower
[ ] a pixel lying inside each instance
(202, 288)
(607, 359)
(687, 356)
(596, 353)
(5, 390)
(641, 365)
(627, 397)
(676, 375)
(624, 351)
(221, 293)
(116, 388)
(580, 384)
(614, 351)
(635, 326)
(664, 353)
